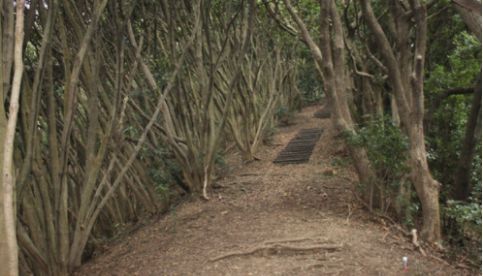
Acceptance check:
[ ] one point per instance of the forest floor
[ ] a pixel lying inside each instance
(267, 219)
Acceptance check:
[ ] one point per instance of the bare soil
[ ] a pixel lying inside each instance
(267, 219)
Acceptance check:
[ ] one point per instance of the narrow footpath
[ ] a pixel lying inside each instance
(272, 219)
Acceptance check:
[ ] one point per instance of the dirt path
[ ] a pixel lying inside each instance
(266, 219)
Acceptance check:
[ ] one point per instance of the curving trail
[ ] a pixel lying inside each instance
(268, 219)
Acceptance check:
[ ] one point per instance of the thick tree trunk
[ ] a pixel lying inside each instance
(462, 184)
(426, 186)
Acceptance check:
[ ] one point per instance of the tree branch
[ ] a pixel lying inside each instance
(451, 92)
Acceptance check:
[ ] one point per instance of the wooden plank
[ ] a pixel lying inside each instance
(300, 148)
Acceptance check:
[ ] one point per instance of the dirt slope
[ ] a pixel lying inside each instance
(266, 219)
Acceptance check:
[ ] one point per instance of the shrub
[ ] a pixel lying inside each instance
(284, 116)
(386, 148)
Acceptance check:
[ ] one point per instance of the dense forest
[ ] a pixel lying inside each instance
(114, 109)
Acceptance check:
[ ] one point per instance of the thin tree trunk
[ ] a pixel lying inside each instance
(462, 183)
(3, 126)
(8, 178)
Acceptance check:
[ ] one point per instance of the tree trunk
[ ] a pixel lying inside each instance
(427, 188)
(329, 59)
(394, 111)
(3, 126)
(407, 79)
(470, 12)
(8, 178)
(3, 238)
(462, 177)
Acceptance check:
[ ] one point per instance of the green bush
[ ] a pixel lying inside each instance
(463, 219)
(462, 225)
(284, 116)
(164, 171)
(386, 147)
(268, 134)
(466, 214)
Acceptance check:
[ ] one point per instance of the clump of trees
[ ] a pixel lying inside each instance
(372, 57)
(120, 101)
(110, 88)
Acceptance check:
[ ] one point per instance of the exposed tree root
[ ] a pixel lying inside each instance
(439, 259)
(277, 249)
(414, 234)
(382, 216)
(290, 240)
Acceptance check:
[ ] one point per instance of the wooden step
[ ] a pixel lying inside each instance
(300, 148)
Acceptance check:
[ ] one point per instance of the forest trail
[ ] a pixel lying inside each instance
(268, 219)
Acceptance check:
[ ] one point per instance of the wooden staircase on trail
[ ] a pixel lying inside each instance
(300, 148)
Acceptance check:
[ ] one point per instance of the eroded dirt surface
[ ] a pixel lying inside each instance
(267, 219)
